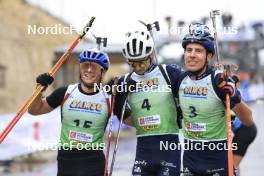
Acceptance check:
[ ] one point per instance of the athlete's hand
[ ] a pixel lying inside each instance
(44, 79)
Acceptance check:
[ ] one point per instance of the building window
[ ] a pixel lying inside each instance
(69, 72)
(2, 76)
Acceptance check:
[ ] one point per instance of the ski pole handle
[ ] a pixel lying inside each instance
(213, 13)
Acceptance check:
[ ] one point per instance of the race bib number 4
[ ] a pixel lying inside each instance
(80, 136)
(149, 122)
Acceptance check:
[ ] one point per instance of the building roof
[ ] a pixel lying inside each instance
(111, 48)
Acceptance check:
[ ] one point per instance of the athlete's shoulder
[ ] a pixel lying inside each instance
(174, 70)
(174, 67)
(71, 87)
(124, 78)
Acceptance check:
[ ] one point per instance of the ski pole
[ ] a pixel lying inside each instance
(39, 88)
(99, 41)
(117, 138)
(150, 27)
(109, 135)
(228, 110)
(229, 129)
(229, 136)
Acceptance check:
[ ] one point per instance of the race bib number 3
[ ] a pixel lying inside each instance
(196, 127)
(80, 136)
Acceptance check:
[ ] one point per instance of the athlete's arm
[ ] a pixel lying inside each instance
(120, 99)
(244, 113)
(174, 71)
(239, 107)
(42, 105)
(119, 103)
(128, 114)
(39, 106)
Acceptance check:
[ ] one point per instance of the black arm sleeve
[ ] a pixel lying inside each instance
(56, 97)
(174, 72)
(119, 101)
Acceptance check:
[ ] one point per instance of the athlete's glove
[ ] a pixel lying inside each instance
(44, 79)
(227, 85)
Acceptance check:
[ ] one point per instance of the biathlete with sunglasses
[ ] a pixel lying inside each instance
(152, 108)
(202, 93)
(84, 115)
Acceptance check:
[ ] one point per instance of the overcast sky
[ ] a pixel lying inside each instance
(116, 17)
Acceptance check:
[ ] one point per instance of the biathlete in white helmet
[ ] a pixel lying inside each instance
(152, 108)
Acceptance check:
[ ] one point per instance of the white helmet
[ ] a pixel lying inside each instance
(137, 45)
